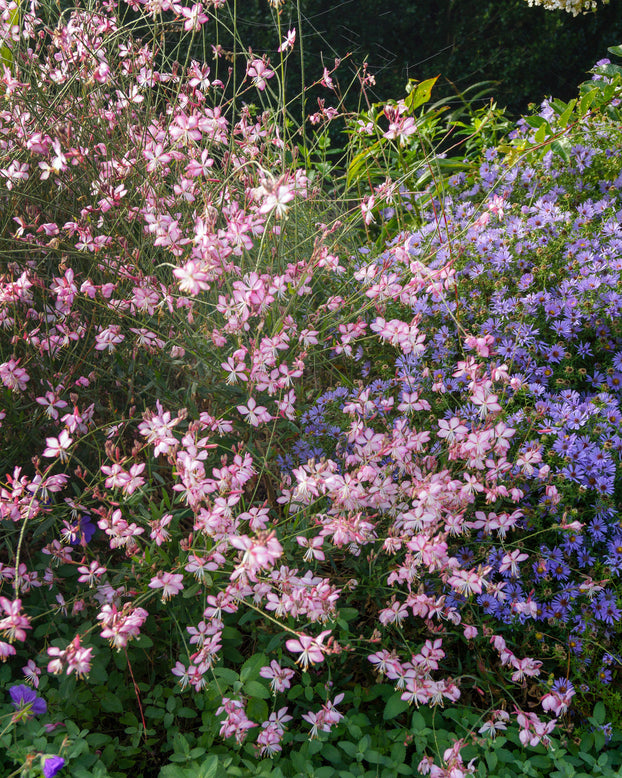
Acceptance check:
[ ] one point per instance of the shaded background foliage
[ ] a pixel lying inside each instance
(529, 52)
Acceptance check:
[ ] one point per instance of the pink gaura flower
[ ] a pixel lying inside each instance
(310, 649)
(13, 376)
(260, 553)
(260, 72)
(255, 414)
(280, 677)
(170, 583)
(109, 338)
(289, 41)
(57, 447)
(194, 17)
(14, 625)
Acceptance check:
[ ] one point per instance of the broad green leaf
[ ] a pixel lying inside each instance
(420, 94)
(599, 713)
(348, 747)
(209, 768)
(395, 705)
(562, 148)
(226, 674)
(256, 689)
(586, 101)
(541, 134)
(250, 668)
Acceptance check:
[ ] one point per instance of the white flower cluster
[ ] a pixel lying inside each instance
(575, 7)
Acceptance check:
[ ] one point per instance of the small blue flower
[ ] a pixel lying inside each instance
(25, 697)
(86, 530)
(52, 765)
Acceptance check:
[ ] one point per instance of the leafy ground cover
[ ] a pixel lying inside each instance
(301, 481)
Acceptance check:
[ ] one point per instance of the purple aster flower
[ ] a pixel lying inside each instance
(606, 608)
(52, 765)
(557, 566)
(584, 558)
(556, 353)
(604, 676)
(573, 472)
(598, 528)
(563, 686)
(24, 697)
(614, 557)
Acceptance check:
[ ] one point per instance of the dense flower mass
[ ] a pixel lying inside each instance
(575, 7)
(295, 463)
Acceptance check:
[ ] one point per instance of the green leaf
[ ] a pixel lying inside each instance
(587, 100)
(565, 117)
(395, 705)
(331, 753)
(250, 668)
(294, 692)
(364, 744)
(417, 722)
(226, 674)
(356, 167)
(599, 713)
(111, 703)
(186, 713)
(97, 739)
(599, 739)
(420, 94)
(209, 768)
(256, 689)
(562, 147)
(347, 614)
(374, 757)
(540, 134)
(541, 761)
(348, 747)
(491, 760)
(181, 745)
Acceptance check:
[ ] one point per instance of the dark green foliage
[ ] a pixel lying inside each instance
(530, 52)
